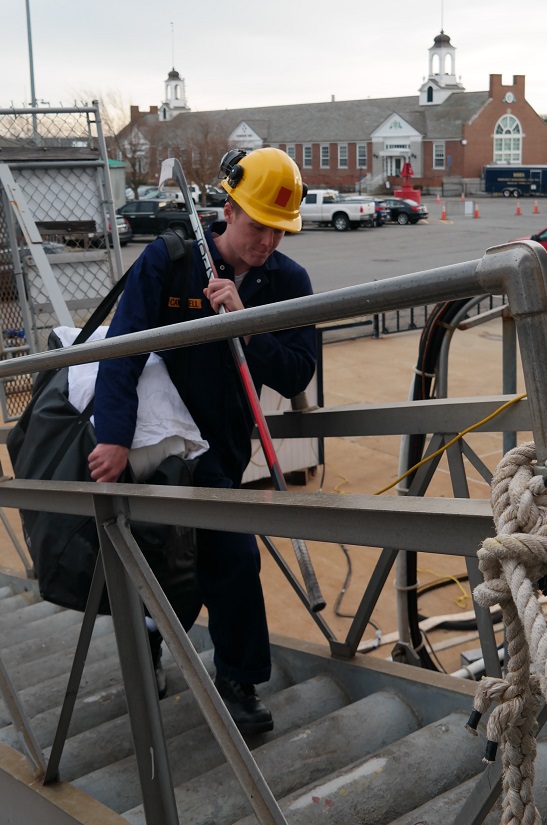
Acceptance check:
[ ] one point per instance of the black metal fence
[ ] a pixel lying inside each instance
(388, 323)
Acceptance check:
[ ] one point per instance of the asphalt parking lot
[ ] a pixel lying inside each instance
(340, 259)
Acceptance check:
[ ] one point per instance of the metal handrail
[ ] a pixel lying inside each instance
(518, 270)
(408, 523)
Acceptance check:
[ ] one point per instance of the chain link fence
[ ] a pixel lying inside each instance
(56, 198)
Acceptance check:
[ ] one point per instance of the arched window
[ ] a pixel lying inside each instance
(430, 94)
(507, 140)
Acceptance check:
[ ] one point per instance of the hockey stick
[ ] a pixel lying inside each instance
(171, 169)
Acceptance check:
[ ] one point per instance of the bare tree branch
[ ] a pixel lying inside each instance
(203, 145)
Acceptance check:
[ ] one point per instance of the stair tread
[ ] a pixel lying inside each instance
(323, 724)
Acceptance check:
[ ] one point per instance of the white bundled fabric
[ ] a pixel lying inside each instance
(164, 425)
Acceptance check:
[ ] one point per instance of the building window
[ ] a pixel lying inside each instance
(325, 156)
(507, 140)
(307, 157)
(361, 155)
(430, 94)
(291, 151)
(438, 156)
(342, 155)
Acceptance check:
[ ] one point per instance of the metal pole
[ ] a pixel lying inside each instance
(31, 68)
(21, 722)
(215, 712)
(30, 59)
(109, 196)
(138, 677)
(509, 367)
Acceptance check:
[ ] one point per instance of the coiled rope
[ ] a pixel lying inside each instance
(512, 563)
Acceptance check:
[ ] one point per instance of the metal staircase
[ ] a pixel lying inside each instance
(357, 739)
(366, 741)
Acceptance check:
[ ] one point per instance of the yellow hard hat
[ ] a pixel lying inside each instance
(267, 184)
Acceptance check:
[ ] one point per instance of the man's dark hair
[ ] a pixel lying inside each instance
(235, 206)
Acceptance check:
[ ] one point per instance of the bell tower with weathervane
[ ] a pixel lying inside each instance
(442, 81)
(174, 98)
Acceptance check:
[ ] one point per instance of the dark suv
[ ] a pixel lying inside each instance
(404, 210)
(151, 217)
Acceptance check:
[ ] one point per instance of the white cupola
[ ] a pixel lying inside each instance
(442, 81)
(174, 98)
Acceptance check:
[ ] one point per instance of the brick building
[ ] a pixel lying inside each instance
(446, 133)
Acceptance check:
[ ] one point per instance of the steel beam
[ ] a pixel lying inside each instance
(138, 676)
(76, 671)
(215, 712)
(400, 418)
(366, 607)
(416, 417)
(21, 722)
(437, 525)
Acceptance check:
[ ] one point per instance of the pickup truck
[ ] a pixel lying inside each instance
(153, 216)
(327, 209)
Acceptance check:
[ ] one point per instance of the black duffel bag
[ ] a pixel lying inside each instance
(52, 441)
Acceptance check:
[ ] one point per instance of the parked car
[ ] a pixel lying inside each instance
(162, 194)
(151, 217)
(172, 193)
(97, 240)
(382, 212)
(216, 197)
(143, 191)
(125, 232)
(324, 207)
(540, 237)
(404, 210)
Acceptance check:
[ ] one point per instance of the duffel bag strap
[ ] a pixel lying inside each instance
(103, 310)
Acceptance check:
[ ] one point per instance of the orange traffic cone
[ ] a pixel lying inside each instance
(518, 212)
(462, 196)
(443, 213)
(535, 210)
(438, 198)
(476, 212)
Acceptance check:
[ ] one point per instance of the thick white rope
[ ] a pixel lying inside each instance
(512, 563)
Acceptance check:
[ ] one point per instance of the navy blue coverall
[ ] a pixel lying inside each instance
(228, 563)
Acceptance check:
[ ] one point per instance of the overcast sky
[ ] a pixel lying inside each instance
(238, 53)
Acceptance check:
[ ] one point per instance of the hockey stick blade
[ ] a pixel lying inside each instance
(171, 169)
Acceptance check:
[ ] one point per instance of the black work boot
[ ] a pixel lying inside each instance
(248, 711)
(155, 639)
